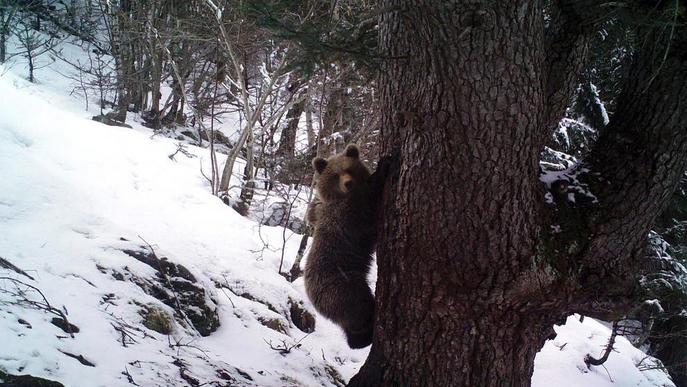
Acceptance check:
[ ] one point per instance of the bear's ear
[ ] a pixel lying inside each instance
(319, 164)
(352, 150)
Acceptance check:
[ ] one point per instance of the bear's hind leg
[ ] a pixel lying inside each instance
(358, 320)
(359, 339)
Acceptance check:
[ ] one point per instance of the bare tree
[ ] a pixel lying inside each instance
(33, 44)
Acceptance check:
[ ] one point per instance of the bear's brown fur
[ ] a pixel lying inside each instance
(344, 219)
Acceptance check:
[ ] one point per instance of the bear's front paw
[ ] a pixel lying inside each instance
(388, 166)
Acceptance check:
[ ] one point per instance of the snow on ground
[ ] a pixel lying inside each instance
(561, 362)
(70, 189)
(75, 193)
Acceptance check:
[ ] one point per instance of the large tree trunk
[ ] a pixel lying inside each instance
(463, 226)
(472, 273)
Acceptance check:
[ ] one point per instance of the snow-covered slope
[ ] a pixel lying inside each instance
(71, 190)
(79, 204)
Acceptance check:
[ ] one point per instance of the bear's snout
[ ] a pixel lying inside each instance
(346, 182)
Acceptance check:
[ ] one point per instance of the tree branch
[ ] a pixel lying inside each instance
(633, 170)
(567, 39)
(590, 360)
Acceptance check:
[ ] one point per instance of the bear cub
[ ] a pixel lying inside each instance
(343, 215)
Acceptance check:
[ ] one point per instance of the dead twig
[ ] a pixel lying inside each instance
(178, 344)
(226, 281)
(129, 333)
(181, 148)
(283, 348)
(128, 376)
(5, 264)
(286, 224)
(589, 360)
(45, 305)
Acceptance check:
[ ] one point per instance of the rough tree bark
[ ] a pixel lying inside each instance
(474, 266)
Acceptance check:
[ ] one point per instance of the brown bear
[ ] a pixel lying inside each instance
(343, 215)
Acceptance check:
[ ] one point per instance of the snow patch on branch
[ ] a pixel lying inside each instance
(560, 167)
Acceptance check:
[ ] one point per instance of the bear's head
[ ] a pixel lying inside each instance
(341, 175)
